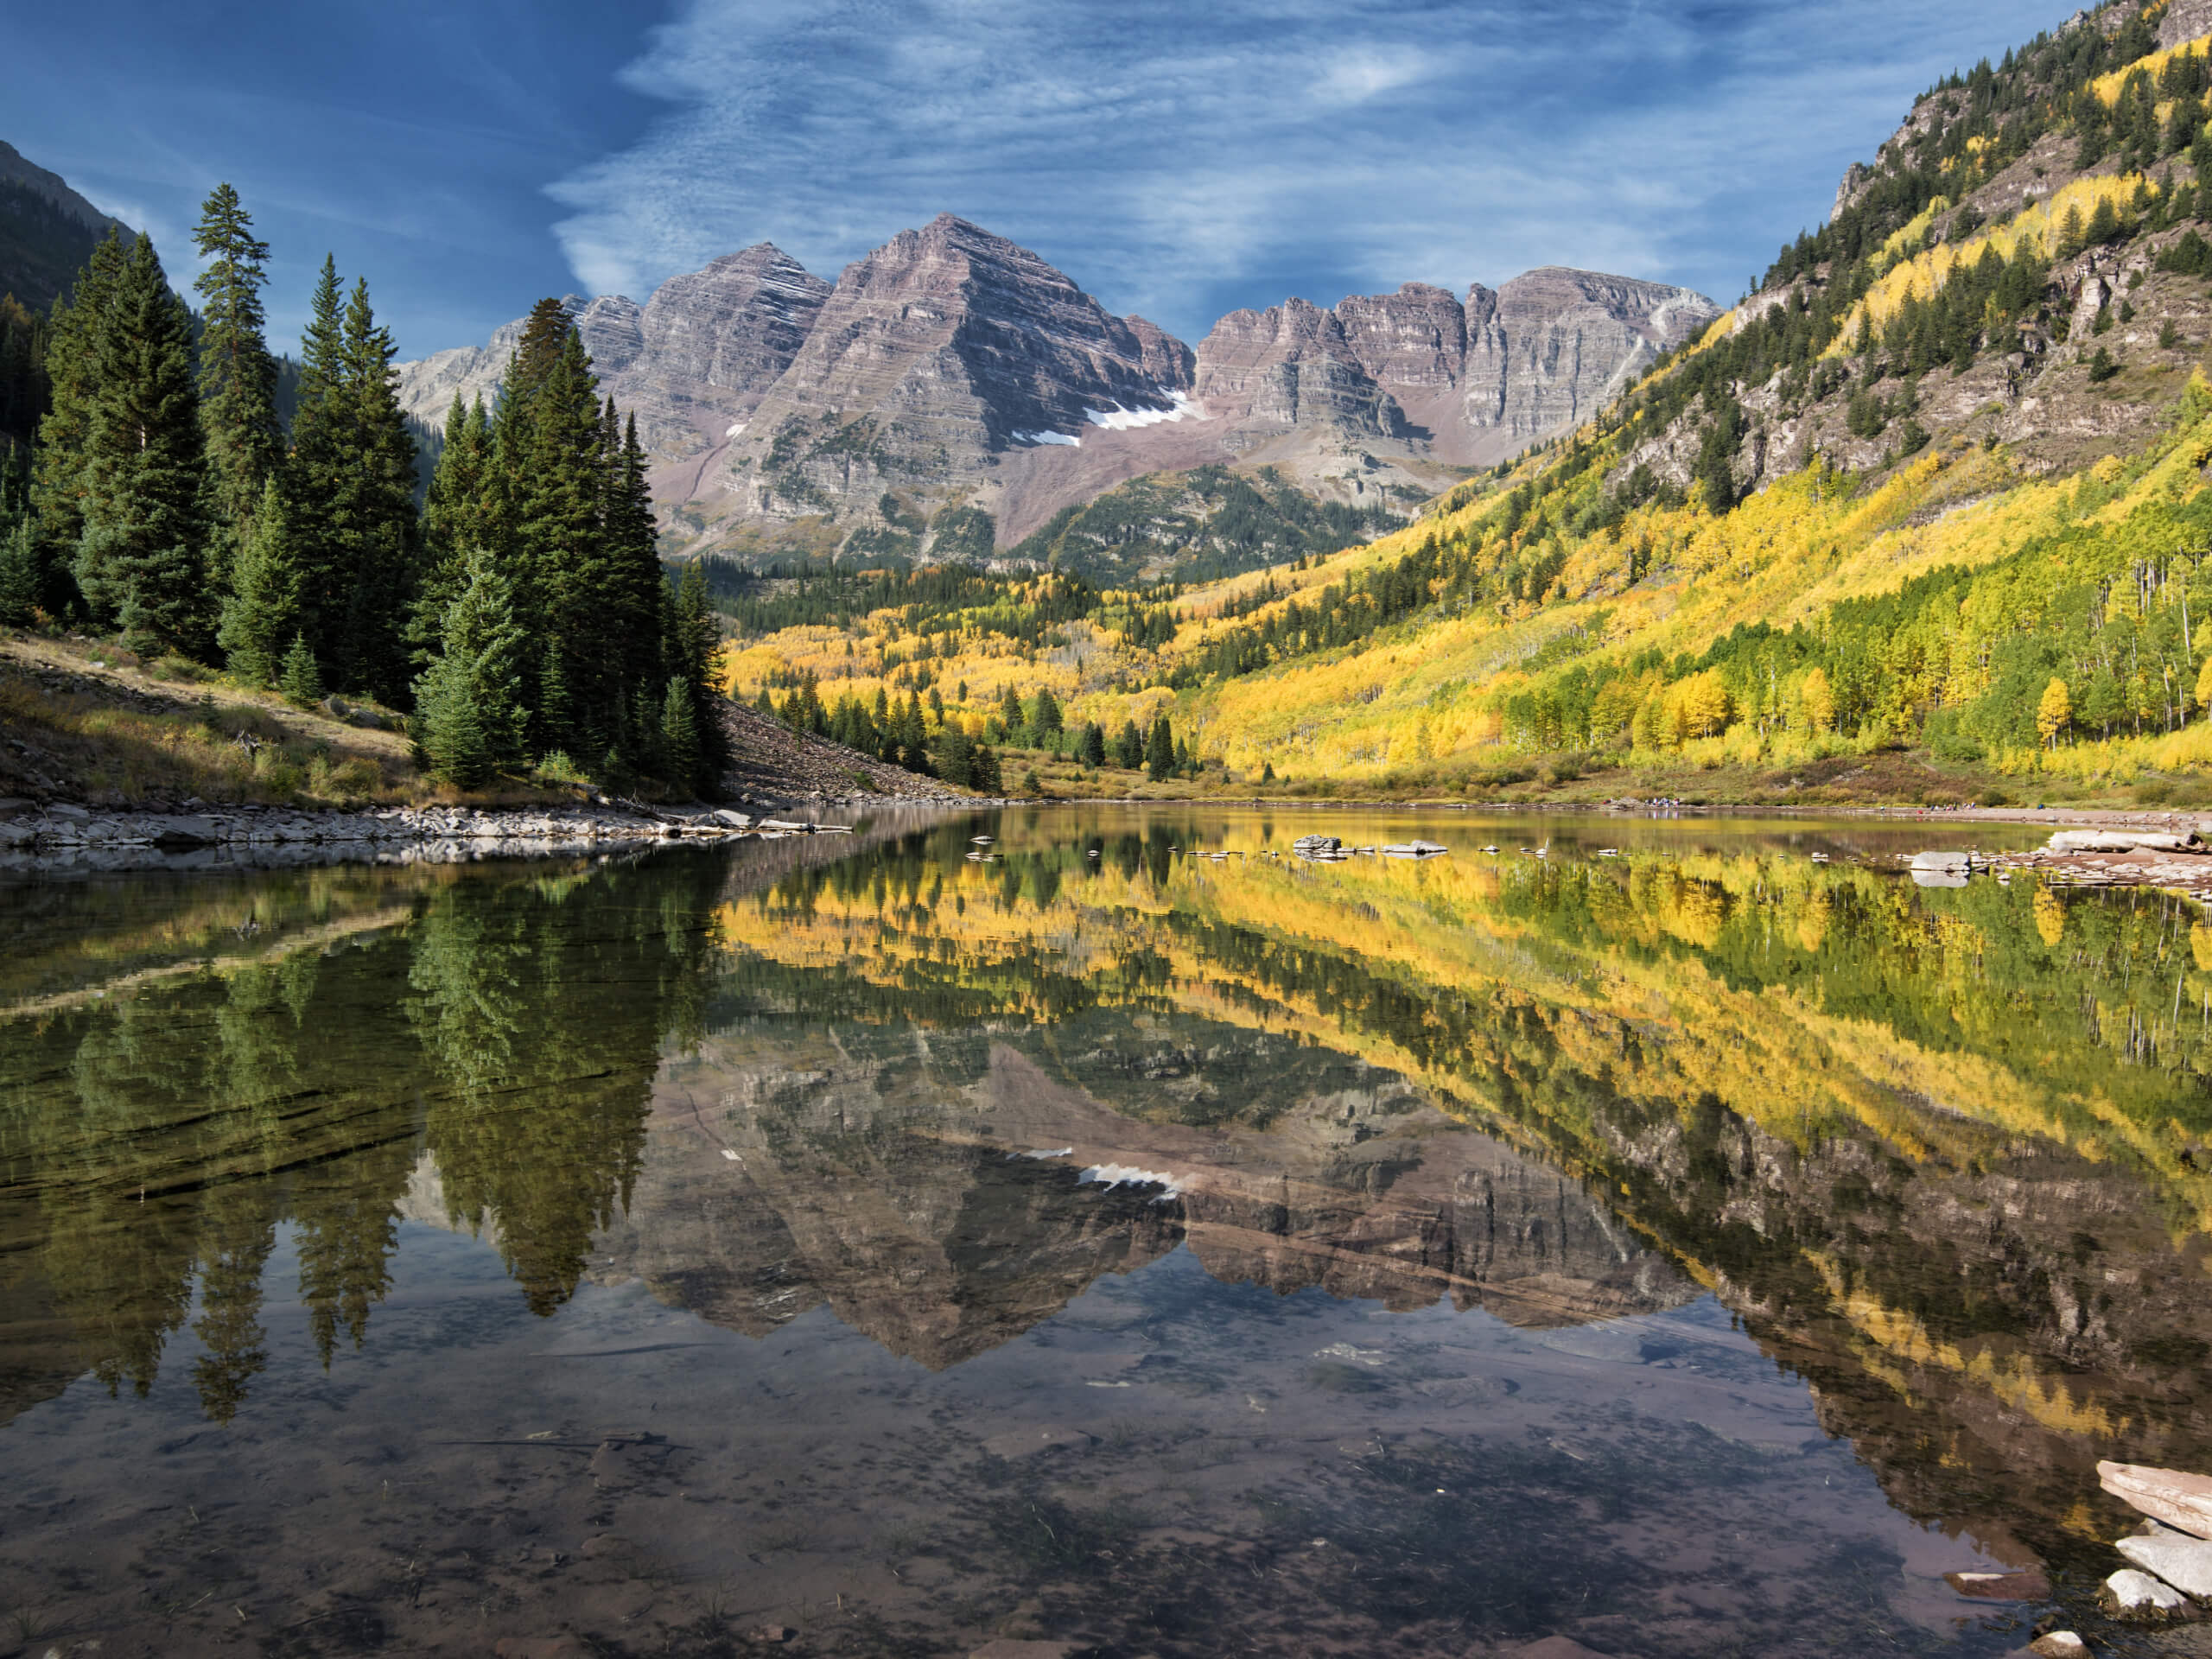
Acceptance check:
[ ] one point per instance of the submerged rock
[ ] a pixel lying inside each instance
(2027, 1585)
(1028, 1442)
(2059, 1645)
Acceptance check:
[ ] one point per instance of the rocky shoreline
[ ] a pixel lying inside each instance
(64, 838)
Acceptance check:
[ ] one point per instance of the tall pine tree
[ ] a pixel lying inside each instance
(142, 560)
(237, 377)
(311, 472)
(455, 520)
(375, 509)
(557, 503)
(635, 593)
(351, 485)
(58, 475)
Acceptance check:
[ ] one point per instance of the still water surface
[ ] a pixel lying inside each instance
(1701, 1250)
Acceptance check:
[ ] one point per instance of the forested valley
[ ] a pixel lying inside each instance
(1927, 509)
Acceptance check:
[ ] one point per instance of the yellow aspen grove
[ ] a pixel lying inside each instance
(1817, 698)
(1705, 704)
(2054, 713)
(2204, 684)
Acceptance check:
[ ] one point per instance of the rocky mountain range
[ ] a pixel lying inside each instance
(951, 369)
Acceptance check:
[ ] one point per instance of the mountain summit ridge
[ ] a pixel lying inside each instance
(951, 369)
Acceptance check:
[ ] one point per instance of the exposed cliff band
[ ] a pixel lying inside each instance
(951, 368)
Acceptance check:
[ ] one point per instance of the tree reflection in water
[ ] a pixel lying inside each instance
(1944, 1152)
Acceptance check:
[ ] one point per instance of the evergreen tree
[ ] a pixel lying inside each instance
(142, 561)
(679, 734)
(349, 482)
(983, 774)
(19, 573)
(635, 593)
(58, 477)
(454, 521)
(911, 735)
(1128, 746)
(374, 511)
(1093, 750)
(1159, 750)
(550, 487)
(956, 758)
(545, 333)
(469, 716)
(2104, 223)
(694, 655)
(319, 455)
(263, 609)
(237, 377)
(300, 679)
(557, 503)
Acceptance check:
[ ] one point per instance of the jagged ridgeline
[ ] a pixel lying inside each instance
(1936, 486)
(166, 479)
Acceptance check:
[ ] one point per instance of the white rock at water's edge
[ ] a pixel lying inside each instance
(2132, 1592)
(2181, 1561)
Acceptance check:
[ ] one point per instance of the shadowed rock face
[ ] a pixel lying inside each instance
(941, 1212)
(1551, 346)
(1263, 372)
(952, 367)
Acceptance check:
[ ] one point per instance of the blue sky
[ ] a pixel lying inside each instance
(1177, 159)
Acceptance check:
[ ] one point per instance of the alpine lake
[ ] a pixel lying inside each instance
(1677, 1243)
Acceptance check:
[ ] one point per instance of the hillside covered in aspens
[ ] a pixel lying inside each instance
(1926, 515)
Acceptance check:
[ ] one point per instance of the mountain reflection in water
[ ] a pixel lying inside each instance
(1940, 1156)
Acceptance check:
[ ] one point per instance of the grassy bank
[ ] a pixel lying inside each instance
(82, 721)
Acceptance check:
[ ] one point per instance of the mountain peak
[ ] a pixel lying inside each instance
(952, 365)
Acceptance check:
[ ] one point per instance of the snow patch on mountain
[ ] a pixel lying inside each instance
(1118, 419)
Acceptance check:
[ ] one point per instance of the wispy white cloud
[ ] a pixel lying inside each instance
(1175, 159)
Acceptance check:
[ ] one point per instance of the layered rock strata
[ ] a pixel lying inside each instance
(951, 368)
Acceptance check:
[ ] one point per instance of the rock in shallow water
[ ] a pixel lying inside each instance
(2131, 1594)
(2181, 1561)
(2027, 1585)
